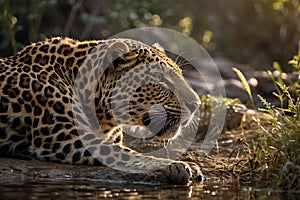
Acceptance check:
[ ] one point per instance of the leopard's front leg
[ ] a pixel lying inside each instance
(119, 157)
(127, 160)
(89, 149)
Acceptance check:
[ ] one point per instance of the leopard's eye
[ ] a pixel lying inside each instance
(158, 76)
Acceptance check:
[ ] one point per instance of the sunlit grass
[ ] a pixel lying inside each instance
(276, 160)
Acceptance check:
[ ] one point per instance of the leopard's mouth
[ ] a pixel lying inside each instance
(174, 124)
(168, 133)
(165, 128)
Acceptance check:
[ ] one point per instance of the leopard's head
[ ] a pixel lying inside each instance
(148, 89)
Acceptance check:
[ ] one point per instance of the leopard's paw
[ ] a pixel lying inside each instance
(182, 173)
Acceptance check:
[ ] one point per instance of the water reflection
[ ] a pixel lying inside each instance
(96, 190)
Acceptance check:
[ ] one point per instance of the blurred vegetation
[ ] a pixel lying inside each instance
(248, 31)
(20, 23)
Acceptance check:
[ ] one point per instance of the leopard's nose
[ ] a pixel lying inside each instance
(193, 106)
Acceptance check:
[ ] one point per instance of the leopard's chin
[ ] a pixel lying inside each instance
(172, 132)
(169, 133)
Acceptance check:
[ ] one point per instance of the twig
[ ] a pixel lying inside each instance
(74, 11)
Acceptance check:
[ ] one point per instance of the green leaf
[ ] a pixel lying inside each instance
(265, 102)
(279, 96)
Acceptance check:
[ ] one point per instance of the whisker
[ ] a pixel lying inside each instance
(184, 62)
(178, 57)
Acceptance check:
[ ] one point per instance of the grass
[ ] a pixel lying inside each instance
(275, 159)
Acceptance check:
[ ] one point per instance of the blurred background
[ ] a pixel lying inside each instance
(252, 32)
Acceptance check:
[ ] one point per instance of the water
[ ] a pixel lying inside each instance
(97, 190)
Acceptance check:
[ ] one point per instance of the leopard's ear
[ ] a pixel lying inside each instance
(158, 46)
(116, 50)
(120, 56)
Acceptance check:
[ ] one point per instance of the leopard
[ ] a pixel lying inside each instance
(67, 101)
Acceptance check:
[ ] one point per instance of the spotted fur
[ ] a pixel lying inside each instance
(50, 89)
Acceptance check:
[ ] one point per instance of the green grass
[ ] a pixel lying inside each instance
(277, 157)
